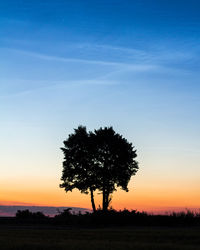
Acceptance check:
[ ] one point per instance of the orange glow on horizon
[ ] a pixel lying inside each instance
(142, 197)
(132, 200)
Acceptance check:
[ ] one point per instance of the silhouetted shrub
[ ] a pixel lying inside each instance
(112, 218)
(28, 216)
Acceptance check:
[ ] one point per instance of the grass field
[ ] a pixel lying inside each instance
(21, 238)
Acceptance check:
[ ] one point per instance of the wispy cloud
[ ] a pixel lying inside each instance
(115, 70)
(115, 49)
(52, 85)
(159, 55)
(137, 67)
(141, 59)
(154, 55)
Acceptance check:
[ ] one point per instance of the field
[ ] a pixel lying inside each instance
(30, 238)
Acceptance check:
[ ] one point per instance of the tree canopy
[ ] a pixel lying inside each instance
(101, 160)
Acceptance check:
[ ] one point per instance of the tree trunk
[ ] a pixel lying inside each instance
(92, 200)
(104, 199)
(107, 200)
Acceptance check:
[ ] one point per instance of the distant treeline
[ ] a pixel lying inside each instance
(109, 218)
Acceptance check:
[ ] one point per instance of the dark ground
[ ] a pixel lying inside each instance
(21, 237)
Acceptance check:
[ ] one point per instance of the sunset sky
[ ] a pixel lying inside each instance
(133, 65)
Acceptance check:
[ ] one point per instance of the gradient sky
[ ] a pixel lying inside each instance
(130, 64)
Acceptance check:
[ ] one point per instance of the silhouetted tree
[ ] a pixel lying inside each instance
(102, 160)
(78, 168)
(115, 164)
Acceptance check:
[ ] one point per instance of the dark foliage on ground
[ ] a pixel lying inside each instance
(109, 218)
(129, 218)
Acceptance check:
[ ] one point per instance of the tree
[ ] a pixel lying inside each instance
(114, 156)
(78, 170)
(101, 160)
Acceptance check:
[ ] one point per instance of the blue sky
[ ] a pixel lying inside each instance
(130, 64)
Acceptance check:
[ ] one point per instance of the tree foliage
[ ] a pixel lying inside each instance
(101, 160)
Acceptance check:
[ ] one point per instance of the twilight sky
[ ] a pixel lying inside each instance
(130, 64)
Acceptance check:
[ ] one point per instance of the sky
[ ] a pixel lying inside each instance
(133, 65)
